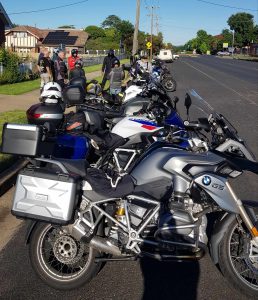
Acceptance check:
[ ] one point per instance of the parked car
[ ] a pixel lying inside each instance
(175, 56)
(223, 53)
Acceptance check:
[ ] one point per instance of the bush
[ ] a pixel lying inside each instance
(10, 62)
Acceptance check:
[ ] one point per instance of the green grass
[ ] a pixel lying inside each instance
(20, 87)
(16, 116)
(95, 68)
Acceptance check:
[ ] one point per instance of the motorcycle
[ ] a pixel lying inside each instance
(160, 208)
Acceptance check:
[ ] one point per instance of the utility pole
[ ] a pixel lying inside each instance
(151, 33)
(136, 27)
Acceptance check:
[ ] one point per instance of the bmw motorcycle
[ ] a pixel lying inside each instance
(161, 208)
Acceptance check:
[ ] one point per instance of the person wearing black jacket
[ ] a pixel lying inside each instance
(78, 70)
(107, 66)
(61, 73)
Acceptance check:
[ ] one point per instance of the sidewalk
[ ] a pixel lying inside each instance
(24, 101)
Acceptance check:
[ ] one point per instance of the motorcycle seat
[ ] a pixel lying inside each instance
(101, 187)
(75, 166)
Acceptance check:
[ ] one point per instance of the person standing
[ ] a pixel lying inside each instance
(77, 71)
(61, 73)
(72, 59)
(116, 76)
(44, 68)
(107, 65)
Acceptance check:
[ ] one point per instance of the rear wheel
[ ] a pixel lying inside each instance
(59, 259)
(238, 259)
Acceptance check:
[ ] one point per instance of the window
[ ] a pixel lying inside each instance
(20, 34)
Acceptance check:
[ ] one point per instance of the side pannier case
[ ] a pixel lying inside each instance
(45, 195)
(21, 139)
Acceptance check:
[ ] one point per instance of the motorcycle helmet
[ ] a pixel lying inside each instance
(94, 88)
(111, 52)
(74, 52)
(115, 62)
(78, 63)
(51, 92)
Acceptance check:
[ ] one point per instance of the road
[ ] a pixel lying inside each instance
(230, 87)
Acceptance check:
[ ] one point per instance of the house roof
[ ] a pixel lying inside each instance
(4, 17)
(219, 36)
(38, 33)
(69, 37)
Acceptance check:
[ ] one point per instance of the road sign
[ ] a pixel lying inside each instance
(225, 45)
(149, 44)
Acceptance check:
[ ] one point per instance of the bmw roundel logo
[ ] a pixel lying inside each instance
(206, 180)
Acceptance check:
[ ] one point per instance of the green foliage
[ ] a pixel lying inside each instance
(67, 26)
(243, 25)
(10, 62)
(203, 48)
(95, 31)
(112, 21)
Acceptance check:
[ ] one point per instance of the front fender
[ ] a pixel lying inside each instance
(217, 234)
(30, 227)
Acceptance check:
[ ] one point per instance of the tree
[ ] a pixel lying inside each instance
(67, 26)
(112, 21)
(169, 46)
(203, 48)
(95, 31)
(243, 25)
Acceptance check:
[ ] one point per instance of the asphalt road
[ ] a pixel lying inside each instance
(231, 88)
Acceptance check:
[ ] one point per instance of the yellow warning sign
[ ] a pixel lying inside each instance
(149, 44)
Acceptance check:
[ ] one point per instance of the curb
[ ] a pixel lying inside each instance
(8, 177)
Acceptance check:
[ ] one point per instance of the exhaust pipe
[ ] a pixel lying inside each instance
(103, 245)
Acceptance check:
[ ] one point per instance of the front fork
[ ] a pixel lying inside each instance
(244, 215)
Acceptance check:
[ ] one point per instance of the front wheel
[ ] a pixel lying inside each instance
(169, 84)
(238, 259)
(60, 260)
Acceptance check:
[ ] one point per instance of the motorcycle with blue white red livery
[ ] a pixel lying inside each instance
(160, 208)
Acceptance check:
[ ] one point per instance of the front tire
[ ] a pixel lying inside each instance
(238, 259)
(60, 260)
(169, 84)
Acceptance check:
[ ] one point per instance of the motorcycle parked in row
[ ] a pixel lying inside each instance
(160, 208)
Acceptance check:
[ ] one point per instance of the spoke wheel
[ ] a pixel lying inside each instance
(239, 259)
(59, 259)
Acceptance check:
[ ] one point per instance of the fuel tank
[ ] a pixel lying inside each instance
(130, 126)
(134, 105)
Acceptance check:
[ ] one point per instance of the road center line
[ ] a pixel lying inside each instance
(222, 84)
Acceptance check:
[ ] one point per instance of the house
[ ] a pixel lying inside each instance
(5, 22)
(66, 38)
(24, 39)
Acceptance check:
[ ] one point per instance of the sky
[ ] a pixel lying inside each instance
(177, 20)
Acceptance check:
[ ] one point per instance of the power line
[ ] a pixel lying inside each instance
(217, 4)
(46, 9)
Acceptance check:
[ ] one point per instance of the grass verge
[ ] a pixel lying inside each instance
(16, 116)
(95, 68)
(19, 87)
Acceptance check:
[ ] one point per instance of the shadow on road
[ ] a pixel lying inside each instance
(163, 280)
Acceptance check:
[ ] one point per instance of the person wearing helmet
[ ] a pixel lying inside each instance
(107, 66)
(72, 59)
(77, 71)
(116, 76)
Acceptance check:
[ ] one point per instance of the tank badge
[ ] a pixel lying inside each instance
(206, 180)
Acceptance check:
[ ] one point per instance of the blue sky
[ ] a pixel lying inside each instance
(178, 20)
